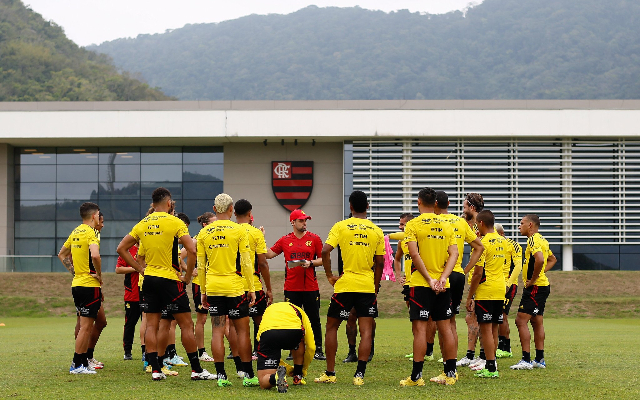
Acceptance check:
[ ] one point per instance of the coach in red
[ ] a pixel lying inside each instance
(302, 253)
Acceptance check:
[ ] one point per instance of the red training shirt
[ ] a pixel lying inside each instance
(309, 247)
(131, 290)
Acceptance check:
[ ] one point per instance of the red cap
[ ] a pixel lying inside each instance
(298, 214)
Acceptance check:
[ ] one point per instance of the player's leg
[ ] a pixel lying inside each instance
(187, 336)
(311, 306)
(201, 320)
(80, 360)
(239, 317)
(331, 344)
(364, 348)
(419, 315)
(351, 329)
(431, 338)
(373, 340)
(256, 312)
(441, 313)
(473, 332)
(162, 341)
(296, 298)
(131, 317)
(151, 338)
(98, 326)
(522, 321)
(143, 330)
(538, 339)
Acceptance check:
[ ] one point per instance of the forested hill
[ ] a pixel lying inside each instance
(500, 49)
(39, 63)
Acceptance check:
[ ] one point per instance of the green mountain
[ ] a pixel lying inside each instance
(39, 63)
(500, 49)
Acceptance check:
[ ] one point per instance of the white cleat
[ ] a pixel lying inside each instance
(158, 376)
(205, 357)
(522, 364)
(478, 366)
(464, 361)
(81, 370)
(203, 376)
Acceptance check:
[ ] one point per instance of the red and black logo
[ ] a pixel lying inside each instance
(292, 182)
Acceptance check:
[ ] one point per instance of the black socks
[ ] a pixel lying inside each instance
(526, 356)
(362, 368)
(429, 349)
(539, 355)
(416, 373)
(222, 374)
(297, 369)
(195, 362)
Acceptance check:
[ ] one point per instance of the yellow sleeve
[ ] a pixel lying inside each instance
(134, 232)
(469, 235)
(334, 234)
(452, 236)
(536, 245)
(67, 243)
(396, 236)
(261, 244)
(380, 247)
(410, 233)
(517, 266)
(245, 260)
(93, 239)
(202, 263)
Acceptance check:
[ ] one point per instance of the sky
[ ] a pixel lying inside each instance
(95, 21)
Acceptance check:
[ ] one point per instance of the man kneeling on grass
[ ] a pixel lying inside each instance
(284, 326)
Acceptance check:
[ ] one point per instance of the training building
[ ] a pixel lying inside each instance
(574, 163)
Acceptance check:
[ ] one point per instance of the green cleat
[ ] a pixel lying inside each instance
(503, 354)
(250, 382)
(484, 373)
(224, 382)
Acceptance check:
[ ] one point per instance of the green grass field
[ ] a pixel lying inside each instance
(586, 358)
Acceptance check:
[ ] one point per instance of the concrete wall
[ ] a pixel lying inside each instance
(6, 199)
(247, 174)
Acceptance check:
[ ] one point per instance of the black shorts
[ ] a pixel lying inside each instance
(366, 305)
(508, 298)
(257, 310)
(87, 300)
(425, 303)
(534, 298)
(272, 342)
(489, 311)
(405, 292)
(197, 299)
(162, 295)
(456, 283)
(165, 314)
(235, 307)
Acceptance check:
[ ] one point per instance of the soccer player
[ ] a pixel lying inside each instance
(512, 268)
(131, 301)
(535, 293)
(84, 249)
(224, 263)
(362, 248)
(402, 261)
(162, 287)
(463, 234)
(300, 282)
(472, 205)
(487, 285)
(432, 246)
(258, 254)
(284, 326)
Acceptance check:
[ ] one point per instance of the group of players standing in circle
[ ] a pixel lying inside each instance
(231, 259)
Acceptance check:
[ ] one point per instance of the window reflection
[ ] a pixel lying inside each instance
(202, 172)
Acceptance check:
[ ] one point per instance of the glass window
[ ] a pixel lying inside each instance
(77, 173)
(35, 191)
(69, 210)
(119, 155)
(119, 190)
(35, 173)
(161, 173)
(34, 229)
(108, 247)
(201, 190)
(203, 172)
(629, 262)
(118, 229)
(64, 228)
(36, 247)
(120, 209)
(35, 210)
(78, 155)
(109, 262)
(165, 155)
(203, 155)
(87, 191)
(119, 173)
(194, 208)
(148, 187)
(596, 261)
(36, 156)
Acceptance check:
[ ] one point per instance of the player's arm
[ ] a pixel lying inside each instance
(397, 265)
(478, 248)
(247, 273)
(126, 243)
(517, 268)
(448, 266)
(122, 268)
(63, 255)
(419, 264)
(551, 261)
(266, 276)
(202, 270)
(187, 242)
(94, 251)
(326, 263)
(270, 254)
(396, 236)
(475, 281)
(537, 268)
(377, 273)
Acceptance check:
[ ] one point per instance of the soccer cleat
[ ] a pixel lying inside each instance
(442, 379)
(503, 354)
(299, 380)
(351, 357)
(324, 378)
(224, 383)
(93, 363)
(539, 364)
(203, 376)
(428, 358)
(409, 382)
(438, 378)
(478, 366)
(250, 382)
(176, 361)
(81, 370)
(128, 357)
(168, 372)
(358, 380)
(319, 356)
(440, 360)
(205, 357)
(484, 373)
(409, 355)
(281, 379)
(463, 361)
(522, 364)
(148, 369)
(449, 380)
(158, 376)
(240, 374)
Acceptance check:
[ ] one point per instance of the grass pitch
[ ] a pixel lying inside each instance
(586, 358)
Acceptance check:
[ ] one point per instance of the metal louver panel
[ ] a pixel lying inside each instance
(585, 192)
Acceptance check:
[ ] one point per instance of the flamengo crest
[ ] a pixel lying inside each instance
(292, 182)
